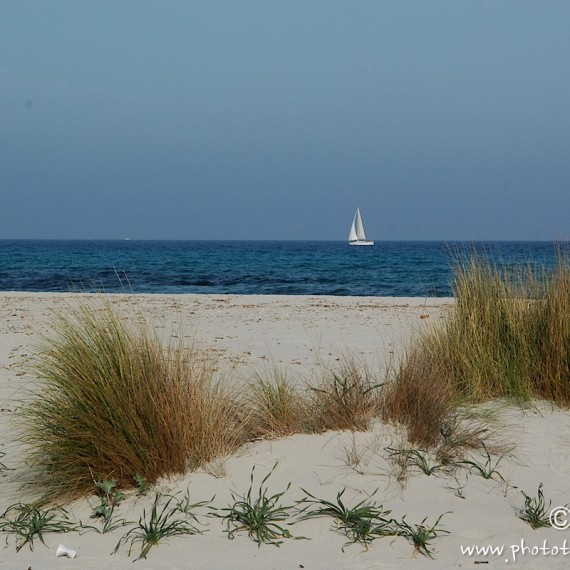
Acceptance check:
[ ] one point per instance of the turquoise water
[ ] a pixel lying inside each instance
(250, 267)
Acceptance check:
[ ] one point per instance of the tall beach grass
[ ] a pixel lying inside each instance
(113, 401)
(508, 336)
(277, 407)
(346, 397)
(343, 397)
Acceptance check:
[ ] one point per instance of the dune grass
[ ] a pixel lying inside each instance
(510, 333)
(344, 397)
(276, 406)
(347, 397)
(114, 402)
(507, 337)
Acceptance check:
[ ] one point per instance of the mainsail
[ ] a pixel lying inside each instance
(356, 235)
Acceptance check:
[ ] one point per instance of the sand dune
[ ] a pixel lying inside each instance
(303, 334)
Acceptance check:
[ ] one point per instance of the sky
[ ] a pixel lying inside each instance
(274, 120)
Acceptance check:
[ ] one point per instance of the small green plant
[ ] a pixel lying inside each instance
(535, 511)
(261, 517)
(186, 507)
(26, 522)
(160, 524)
(361, 523)
(420, 535)
(487, 470)
(416, 458)
(110, 497)
(110, 523)
(459, 488)
(142, 485)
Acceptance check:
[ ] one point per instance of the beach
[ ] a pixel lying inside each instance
(303, 335)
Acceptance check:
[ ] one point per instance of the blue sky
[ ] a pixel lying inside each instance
(274, 120)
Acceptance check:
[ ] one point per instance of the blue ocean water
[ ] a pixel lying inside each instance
(389, 268)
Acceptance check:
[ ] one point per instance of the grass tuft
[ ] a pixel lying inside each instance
(506, 337)
(416, 458)
(535, 511)
(347, 398)
(262, 516)
(420, 535)
(113, 403)
(361, 523)
(488, 469)
(160, 523)
(27, 522)
(277, 408)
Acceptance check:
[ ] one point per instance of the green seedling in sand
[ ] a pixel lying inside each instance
(420, 535)
(487, 470)
(416, 458)
(261, 517)
(110, 498)
(535, 511)
(459, 489)
(142, 485)
(27, 522)
(187, 508)
(161, 523)
(361, 523)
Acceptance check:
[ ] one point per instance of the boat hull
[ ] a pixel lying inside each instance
(361, 242)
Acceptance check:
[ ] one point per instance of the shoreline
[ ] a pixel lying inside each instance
(302, 334)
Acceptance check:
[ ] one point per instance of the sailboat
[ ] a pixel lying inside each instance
(357, 235)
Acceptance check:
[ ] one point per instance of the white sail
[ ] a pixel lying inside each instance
(352, 234)
(356, 235)
(359, 227)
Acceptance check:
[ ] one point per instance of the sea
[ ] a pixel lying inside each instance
(390, 268)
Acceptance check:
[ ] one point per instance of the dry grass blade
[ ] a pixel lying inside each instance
(3, 467)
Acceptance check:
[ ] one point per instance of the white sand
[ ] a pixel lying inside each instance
(302, 334)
